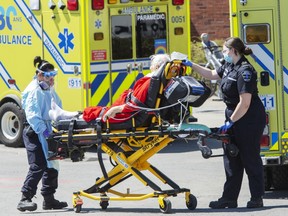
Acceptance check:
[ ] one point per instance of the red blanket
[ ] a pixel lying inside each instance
(139, 91)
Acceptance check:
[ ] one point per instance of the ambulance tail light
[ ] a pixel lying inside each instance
(87, 85)
(11, 81)
(265, 139)
(177, 2)
(97, 4)
(72, 5)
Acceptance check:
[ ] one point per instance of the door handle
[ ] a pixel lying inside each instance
(129, 68)
(140, 68)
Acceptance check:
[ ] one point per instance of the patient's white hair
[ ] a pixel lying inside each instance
(158, 59)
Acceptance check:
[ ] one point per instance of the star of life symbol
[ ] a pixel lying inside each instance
(66, 40)
(98, 23)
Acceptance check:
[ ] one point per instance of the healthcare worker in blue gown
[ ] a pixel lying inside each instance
(36, 102)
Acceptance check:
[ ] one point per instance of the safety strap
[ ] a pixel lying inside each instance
(70, 133)
(99, 147)
(137, 102)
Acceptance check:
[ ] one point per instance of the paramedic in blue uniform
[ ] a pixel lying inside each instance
(36, 102)
(245, 120)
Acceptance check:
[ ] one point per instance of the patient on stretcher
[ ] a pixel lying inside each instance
(143, 95)
(119, 111)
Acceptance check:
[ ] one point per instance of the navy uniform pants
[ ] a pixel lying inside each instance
(246, 136)
(37, 167)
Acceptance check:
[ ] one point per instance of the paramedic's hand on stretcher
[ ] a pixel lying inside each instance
(187, 63)
(113, 111)
(224, 128)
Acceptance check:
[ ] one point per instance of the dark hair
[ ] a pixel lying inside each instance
(238, 45)
(42, 64)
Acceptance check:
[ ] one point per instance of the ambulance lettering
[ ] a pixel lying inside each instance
(10, 20)
(5, 17)
(137, 10)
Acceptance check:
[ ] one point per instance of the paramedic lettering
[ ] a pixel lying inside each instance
(151, 17)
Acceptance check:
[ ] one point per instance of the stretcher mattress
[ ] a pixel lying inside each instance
(81, 124)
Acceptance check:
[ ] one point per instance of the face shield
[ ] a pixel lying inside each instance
(48, 78)
(48, 74)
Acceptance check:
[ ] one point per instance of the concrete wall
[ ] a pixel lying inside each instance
(211, 16)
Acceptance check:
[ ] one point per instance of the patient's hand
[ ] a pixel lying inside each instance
(113, 111)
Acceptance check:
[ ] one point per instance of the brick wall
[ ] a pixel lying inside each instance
(211, 16)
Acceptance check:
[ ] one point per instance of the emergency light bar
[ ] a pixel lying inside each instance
(72, 5)
(97, 4)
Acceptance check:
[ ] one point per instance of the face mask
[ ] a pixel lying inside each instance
(44, 85)
(228, 58)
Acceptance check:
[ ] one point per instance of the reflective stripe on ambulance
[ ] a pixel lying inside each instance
(6, 76)
(266, 60)
(65, 67)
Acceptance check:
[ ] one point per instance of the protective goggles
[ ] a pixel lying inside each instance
(48, 73)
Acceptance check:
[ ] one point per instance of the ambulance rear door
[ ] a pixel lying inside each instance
(284, 47)
(258, 32)
(136, 33)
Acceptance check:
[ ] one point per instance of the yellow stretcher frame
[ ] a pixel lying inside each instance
(134, 148)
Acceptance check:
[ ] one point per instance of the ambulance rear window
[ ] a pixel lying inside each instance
(151, 34)
(257, 33)
(121, 37)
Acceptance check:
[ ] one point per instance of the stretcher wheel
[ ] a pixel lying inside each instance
(78, 208)
(104, 204)
(167, 206)
(191, 203)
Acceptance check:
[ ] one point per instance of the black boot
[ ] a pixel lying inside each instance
(26, 203)
(255, 203)
(223, 203)
(51, 203)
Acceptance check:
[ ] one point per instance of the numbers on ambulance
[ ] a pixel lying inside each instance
(268, 101)
(178, 19)
(74, 83)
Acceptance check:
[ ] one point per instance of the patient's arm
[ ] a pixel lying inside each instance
(56, 113)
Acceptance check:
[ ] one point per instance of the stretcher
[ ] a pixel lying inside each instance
(129, 145)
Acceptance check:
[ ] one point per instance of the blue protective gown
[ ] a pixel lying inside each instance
(36, 104)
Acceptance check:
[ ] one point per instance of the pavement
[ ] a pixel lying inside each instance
(180, 160)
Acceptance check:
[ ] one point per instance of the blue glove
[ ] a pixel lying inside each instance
(224, 128)
(187, 63)
(46, 134)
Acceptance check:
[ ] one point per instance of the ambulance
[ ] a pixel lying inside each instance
(100, 48)
(262, 24)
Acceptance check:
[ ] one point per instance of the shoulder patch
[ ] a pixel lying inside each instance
(247, 75)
